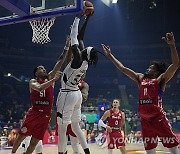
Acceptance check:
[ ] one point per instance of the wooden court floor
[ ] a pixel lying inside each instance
(95, 149)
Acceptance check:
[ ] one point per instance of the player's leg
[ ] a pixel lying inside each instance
(23, 148)
(76, 118)
(57, 135)
(17, 143)
(123, 150)
(66, 145)
(166, 134)
(32, 145)
(65, 106)
(74, 144)
(119, 141)
(39, 147)
(149, 136)
(110, 141)
(62, 127)
(77, 130)
(25, 144)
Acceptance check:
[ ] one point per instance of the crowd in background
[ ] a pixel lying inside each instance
(14, 103)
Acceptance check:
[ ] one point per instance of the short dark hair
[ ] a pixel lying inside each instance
(160, 66)
(35, 70)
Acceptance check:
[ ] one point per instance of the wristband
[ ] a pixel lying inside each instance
(102, 124)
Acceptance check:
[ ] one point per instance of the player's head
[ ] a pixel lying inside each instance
(156, 68)
(115, 103)
(90, 55)
(40, 72)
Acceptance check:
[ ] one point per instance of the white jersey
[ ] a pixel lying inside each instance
(71, 77)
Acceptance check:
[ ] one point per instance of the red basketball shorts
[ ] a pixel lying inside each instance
(115, 138)
(158, 128)
(35, 124)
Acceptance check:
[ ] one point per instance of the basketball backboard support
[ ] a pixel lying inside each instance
(17, 11)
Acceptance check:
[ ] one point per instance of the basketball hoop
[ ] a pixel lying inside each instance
(41, 29)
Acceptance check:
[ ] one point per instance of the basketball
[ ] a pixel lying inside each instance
(88, 8)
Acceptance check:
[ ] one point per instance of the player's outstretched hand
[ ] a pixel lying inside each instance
(79, 15)
(169, 38)
(57, 75)
(106, 49)
(88, 16)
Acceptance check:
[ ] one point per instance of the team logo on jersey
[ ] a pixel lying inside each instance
(24, 130)
(42, 102)
(116, 117)
(143, 83)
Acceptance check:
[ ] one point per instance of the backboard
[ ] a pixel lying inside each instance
(17, 11)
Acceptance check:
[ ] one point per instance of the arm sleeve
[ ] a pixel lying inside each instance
(74, 32)
(102, 124)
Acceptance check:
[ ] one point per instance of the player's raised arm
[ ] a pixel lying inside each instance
(169, 38)
(81, 34)
(127, 71)
(77, 58)
(68, 57)
(60, 60)
(33, 84)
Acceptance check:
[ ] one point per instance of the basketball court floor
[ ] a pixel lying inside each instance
(95, 149)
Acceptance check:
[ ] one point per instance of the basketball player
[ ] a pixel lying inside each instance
(39, 146)
(116, 120)
(70, 98)
(84, 88)
(152, 86)
(38, 116)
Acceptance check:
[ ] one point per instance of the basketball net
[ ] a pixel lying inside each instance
(41, 29)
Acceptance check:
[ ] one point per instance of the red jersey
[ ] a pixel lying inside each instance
(150, 99)
(37, 118)
(42, 101)
(115, 120)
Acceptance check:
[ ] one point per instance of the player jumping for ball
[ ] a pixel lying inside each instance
(152, 86)
(70, 98)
